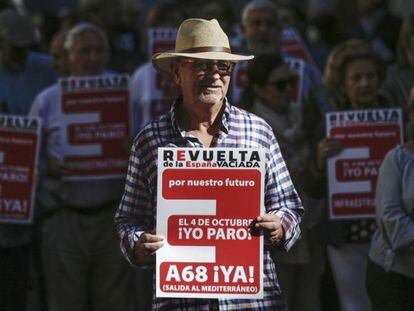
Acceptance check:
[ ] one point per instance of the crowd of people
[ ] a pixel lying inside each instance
(357, 55)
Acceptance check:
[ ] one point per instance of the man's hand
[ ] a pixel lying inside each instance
(56, 168)
(146, 247)
(327, 147)
(271, 226)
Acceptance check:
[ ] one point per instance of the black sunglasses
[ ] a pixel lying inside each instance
(202, 65)
(282, 84)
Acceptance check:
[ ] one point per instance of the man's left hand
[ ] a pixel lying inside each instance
(271, 226)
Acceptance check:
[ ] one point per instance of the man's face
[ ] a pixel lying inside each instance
(88, 55)
(261, 31)
(203, 82)
(361, 83)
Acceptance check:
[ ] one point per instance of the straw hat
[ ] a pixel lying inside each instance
(199, 38)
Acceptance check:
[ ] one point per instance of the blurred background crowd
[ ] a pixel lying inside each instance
(361, 56)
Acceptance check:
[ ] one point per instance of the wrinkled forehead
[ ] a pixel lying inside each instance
(89, 39)
(90, 34)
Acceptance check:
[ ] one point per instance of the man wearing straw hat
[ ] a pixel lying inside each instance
(203, 117)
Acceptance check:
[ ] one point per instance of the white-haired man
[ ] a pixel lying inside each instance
(202, 117)
(83, 265)
(260, 27)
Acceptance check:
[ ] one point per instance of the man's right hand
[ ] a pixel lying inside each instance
(146, 246)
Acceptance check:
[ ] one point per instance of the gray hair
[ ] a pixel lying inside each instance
(81, 28)
(257, 5)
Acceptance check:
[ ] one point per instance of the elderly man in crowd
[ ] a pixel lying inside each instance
(83, 264)
(202, 117)
(260, 27)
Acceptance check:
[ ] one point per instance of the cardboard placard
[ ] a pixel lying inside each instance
(207, 199)
(19, 152)
(366, 136)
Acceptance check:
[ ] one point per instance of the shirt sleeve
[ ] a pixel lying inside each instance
(135, 213)
(396, 224)
(141, 95)
(281, 197)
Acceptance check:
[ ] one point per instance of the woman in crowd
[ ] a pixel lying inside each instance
(390, 272)
(352, 78)
(269, 95)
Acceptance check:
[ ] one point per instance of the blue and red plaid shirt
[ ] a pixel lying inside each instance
(137, 210)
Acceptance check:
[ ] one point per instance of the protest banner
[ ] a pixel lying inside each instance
(207, 199)
(95, 126)
(366, 137)
(19, 150)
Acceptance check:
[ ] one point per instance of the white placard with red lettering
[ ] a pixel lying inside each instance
(19, 151)
(207, 198)
(95, 126)
(366, 136)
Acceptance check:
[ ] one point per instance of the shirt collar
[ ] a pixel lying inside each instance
(224, 119)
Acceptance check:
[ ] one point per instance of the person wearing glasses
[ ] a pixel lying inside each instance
(352, 77)
(203, 117)
(271, 84)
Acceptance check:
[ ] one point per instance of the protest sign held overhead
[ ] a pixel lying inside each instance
(207, 200)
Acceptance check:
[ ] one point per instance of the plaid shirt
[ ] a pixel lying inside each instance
(137, 210)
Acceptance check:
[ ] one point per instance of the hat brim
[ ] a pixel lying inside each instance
(162, 61)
